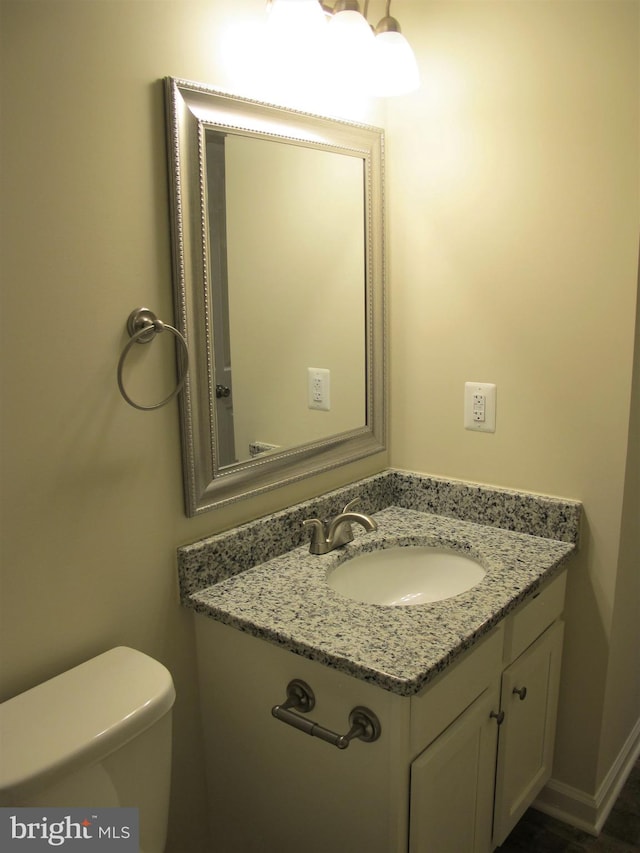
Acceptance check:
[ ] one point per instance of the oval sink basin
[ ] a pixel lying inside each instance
(404, 576)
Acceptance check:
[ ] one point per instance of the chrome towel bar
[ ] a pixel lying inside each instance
(364, 723)
(143, 325)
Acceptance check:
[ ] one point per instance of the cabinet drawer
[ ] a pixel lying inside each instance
(527, 623)
(435, 707)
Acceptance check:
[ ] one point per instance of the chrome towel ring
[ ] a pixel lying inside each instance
(143, 325)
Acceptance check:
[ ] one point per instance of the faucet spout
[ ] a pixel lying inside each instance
(345, 519)
(332, 534)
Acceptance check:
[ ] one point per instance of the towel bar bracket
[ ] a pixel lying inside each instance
(364, 724)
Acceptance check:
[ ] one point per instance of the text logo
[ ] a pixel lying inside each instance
(106, 830)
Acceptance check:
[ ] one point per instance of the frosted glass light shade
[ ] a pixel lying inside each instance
(396, 69)
(349, 24)
(296, 20)
(350, 45)
(292, 52)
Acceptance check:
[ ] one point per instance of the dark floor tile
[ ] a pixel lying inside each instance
(624, 821)
(608, 844)
(539, 833)
(536, 832)
(624, 825)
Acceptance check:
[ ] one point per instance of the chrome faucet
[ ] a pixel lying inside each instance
(328, 535)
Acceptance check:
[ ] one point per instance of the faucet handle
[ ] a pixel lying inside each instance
(351, 504)
(318, 532)
(318, 536)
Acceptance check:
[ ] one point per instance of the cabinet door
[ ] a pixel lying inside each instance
(452, 784)
(529, 699)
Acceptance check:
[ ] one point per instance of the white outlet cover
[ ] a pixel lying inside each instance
(488, 391)
(319, 388)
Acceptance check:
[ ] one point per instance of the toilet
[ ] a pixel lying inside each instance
(97, 735)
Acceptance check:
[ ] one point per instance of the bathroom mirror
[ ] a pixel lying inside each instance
(279, 285)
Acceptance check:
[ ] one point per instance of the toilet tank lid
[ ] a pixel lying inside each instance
(79, 717)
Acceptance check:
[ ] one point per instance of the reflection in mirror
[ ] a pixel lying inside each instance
(290, 310)
(279, 285)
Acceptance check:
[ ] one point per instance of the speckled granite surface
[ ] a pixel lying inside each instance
(218, 557)
(287, 600)
(260, 579)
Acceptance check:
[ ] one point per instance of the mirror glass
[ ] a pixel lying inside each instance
(291, 305)
(278, 251)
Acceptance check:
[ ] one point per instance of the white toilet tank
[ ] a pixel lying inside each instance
(97, 735)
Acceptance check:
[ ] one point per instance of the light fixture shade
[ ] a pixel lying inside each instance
(350, 24)
(350, 46)
(396, 70)
(301, 11)
(292, 51)
(295, 21)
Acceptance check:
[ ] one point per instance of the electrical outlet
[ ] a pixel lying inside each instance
(480, 406)
(318, 387)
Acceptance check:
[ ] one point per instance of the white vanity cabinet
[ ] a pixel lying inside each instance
(452, 784)
(473, 783)
(452, 771)
(529, 699)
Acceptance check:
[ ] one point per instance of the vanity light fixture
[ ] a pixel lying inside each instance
(348, 26)
(293, 52)
(350, 46)
(395, 68)
(301, 19)
(379, 61)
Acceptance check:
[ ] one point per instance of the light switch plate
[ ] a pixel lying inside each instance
(480, 406)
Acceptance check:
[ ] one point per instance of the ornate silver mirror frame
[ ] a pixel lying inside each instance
(192, 110)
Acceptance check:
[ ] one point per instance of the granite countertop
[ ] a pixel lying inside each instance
(286, 600)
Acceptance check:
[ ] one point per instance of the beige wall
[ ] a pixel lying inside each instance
(622, 699)
(512, 189)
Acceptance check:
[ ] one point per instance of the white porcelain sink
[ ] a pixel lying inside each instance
(404, 576)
